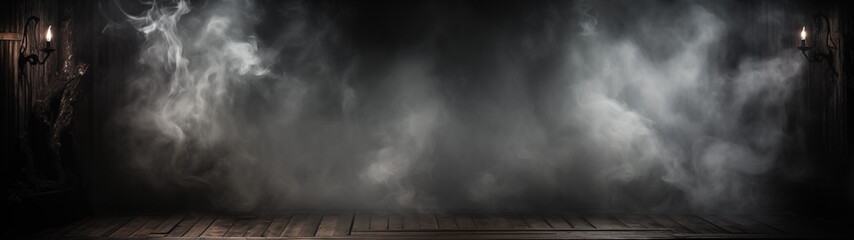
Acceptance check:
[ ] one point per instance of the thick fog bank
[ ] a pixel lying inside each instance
(606, 104)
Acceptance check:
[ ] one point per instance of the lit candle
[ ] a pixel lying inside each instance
(804, 36)
(48, 36)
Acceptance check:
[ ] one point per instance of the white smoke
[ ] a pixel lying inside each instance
(182, 117)
(292, 116)
(407, 139)
(678, 119)
(587, 21)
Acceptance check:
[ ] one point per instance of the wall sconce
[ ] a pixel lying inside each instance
(33, 59)
(815, 55)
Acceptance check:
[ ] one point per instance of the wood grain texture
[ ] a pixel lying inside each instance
(295, 225)
(696, 224)
(379, 221)
(130, 227)
(310, 226)
(80, 230)
(167, 225)
(446, 222)
(557, 222)
(637, 221)
(147, 229)
(669, 223)
(111, 224)
(277, 226)
(482, 222)
(428, 221)
(327, 226)
(601, 221)
(787, 224)
(464, 222)
(468, 226)
(200, 226)
(4, 36)
(395, 222)
(749, 225)
(345, 223)
(577, 222)
(410, 222)
(516, 221)
(536, 222)
(240, 227)
(184, 225)
(219, 226)
(259, 226)
(723, 223)
(361, 222)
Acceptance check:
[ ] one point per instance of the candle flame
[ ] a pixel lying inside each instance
(804, 33)
(49, 34)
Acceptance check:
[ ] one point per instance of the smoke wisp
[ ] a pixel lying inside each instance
(453, 105)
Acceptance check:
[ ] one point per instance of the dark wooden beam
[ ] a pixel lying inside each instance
(10, 37)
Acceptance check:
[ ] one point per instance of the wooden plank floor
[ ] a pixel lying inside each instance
(415, 225)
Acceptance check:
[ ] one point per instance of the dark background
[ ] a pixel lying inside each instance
(818, 131)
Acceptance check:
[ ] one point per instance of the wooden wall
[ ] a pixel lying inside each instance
(823, 129)
(15, 95)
